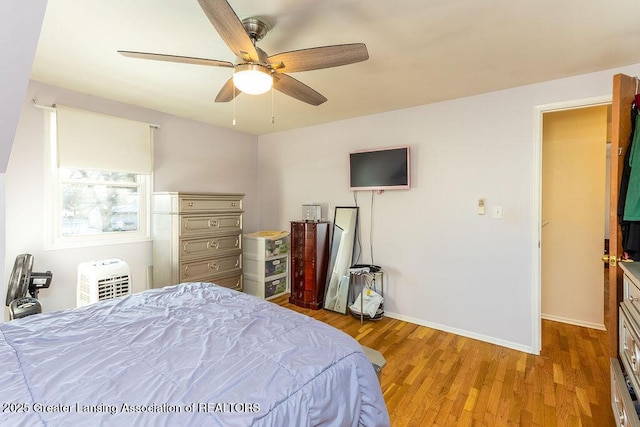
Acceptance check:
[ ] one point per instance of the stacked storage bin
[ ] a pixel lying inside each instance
(266, 260)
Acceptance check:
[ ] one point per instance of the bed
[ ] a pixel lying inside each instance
(193, 354)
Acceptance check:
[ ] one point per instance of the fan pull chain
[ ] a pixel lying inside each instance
(273, 117)
(234, 105)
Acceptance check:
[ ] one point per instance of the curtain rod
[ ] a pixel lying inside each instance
(44, 107)
(53, 108)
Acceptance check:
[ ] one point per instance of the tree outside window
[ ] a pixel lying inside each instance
(97, 202)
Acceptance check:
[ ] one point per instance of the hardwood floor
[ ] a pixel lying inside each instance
(434, 378)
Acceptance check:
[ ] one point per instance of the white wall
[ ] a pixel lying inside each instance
(446, 266)
(188, 156)
(20, 23)
(193, 156)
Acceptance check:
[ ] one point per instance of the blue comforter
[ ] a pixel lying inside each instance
(193, 354)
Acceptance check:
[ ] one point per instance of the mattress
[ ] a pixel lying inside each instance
(193, 354)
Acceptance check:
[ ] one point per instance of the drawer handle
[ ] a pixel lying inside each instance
(191, 204)
(632, 299)
(234, 204)
(237, 223)
(213, 223)
(237, 243)
(622, 417)
(213, 244)
(237, 263)
(214, 267)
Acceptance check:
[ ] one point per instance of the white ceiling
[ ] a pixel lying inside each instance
(421, 51)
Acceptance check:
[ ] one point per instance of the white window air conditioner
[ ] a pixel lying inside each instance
(102, 280)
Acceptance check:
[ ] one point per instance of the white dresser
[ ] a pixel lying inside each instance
(624, 407)
(197, 237)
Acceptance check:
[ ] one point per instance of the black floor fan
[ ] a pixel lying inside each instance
(23, 279)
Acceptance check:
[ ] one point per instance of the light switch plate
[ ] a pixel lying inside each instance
(480, 206)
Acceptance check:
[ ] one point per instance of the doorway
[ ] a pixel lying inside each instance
(572, 212)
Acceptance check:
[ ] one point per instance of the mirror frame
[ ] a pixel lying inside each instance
(341, 252)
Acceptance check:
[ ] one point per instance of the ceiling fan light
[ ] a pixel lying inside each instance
(253, 79)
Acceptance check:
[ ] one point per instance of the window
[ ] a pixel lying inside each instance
(96, 202)
(99, 195)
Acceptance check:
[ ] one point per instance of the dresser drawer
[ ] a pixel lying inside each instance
(302, 259)
(266, 288)
(275, 286)
(631, 294)
(629, 345)
(203, 204)
(624, 411)
(197, 225)
(275, 267)
(266, 244)
(198, 270)
(231, 282)
(260, 269)
(213, 246)
(298, 295)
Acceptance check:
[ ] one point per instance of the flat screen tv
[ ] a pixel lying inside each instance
(380, 169)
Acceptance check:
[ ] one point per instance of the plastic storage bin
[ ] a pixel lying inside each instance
(266, 243)
(266, 263)
(267, 289)
(260, 268)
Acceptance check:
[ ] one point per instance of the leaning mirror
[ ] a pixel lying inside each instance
(343, 240)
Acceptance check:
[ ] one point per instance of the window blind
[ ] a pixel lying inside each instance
(89, 140)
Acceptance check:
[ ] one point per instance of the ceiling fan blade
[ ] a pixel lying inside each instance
(321, 57)
(296, 89)
(175, 58)
(228, 92)
(227, 24)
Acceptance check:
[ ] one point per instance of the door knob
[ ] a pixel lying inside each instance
(612, 260)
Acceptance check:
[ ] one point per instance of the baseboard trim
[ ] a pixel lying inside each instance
(590, 325)
(463, 333)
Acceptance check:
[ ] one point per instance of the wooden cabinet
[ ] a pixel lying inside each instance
(309, 259)
(627, 370)
(197, 237)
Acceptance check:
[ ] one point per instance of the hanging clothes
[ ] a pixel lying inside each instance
(630, 191)
(632, 200)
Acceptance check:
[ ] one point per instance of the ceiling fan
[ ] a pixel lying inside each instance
(255, 72)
